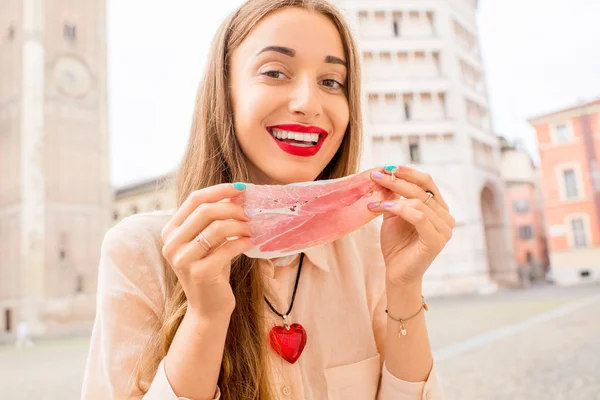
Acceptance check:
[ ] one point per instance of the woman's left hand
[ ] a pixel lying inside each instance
(413, 233)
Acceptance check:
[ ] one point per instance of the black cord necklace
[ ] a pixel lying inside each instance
(284, 316)
(288, 341)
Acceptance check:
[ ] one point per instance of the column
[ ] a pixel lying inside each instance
(33, 213)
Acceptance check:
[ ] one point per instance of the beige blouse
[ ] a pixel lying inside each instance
(340, 301)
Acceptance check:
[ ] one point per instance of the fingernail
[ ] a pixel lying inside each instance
(377, 175)
(373, 204)
(239, 185)
(388, 204)
(404, 169)
(390, 167)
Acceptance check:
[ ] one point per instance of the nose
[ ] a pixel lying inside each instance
(305, 101)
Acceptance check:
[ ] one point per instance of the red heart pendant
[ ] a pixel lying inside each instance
(288, 343)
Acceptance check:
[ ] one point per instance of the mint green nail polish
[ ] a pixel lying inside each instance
(239, 185)
(390, 167)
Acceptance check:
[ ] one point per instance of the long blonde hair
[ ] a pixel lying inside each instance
(214, 156)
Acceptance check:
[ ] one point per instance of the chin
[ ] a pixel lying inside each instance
(282, 178)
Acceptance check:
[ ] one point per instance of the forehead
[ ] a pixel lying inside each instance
(310, 34)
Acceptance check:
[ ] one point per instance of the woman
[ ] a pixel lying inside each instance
(182, 313)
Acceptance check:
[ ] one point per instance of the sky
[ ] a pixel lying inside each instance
(539, 56)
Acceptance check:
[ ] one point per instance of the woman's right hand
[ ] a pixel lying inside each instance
(204, 273)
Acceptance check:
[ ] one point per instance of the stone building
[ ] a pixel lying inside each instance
(145, 196)
(524, 205)
(55, 193)
(425, 104)
(569, 143)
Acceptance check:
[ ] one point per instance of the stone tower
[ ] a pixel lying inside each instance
(54, 160)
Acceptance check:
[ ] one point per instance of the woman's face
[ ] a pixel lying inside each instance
(288, 82)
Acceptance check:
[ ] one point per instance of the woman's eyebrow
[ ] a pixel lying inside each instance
(335, 60)
(279, 49)
(292, 53)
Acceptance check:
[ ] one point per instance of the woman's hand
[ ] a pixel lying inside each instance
(197, 248)
(413, 233)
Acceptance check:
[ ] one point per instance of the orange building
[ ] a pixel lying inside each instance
(569, 144)
(525, 210)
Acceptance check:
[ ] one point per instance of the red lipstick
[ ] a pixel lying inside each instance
(292, 146)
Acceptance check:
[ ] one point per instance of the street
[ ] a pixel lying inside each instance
(539, 343)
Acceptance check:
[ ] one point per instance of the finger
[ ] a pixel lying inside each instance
(401, 187)
(410, 190)
(210, 194)
(205, 214)
(197, 222)
(211, 266)
(427, 232)
(440, 225)
(419, 178)
(228, 251)
(216, 234)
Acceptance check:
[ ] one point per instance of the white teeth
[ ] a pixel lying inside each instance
(301, 137)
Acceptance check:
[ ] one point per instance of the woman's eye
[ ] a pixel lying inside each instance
(332, 83)
(274, 74)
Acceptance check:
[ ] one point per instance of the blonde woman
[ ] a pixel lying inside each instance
(183, 314)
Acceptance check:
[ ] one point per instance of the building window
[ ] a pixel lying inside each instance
(11, 32)
(69, 32)
(561, 133)
(390, 97)
(62, 252)
(430, 18)
(396, 28)
(7, 320)
(570, 180)
(521, 205)
(579, 235)
(414, 152)
(115, 216)
(407, 111)
(362, 15)
(134, 210)
(379, 15)
(79, 284)
(525, 232)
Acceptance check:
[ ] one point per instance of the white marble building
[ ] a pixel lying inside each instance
(425, 104)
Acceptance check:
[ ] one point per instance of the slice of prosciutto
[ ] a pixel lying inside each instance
(287, 219)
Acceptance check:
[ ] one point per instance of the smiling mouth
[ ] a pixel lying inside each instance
(296, 138)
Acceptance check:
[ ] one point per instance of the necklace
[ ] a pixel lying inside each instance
(288, 340)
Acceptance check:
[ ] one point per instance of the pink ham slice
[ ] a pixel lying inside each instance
(287, 219)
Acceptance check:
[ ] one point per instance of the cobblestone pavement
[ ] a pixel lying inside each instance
(541, 343)
(512, 356)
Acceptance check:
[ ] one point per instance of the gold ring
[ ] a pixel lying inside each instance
(203, 242)
(430, 196)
